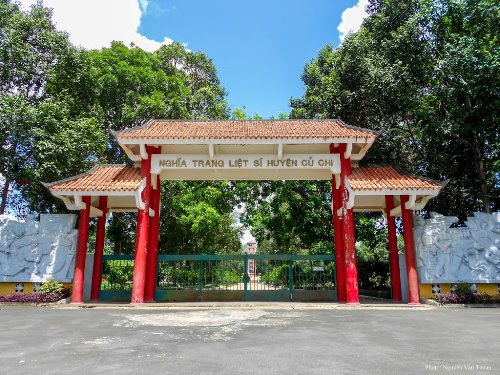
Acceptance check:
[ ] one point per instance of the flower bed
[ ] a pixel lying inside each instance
(33, 297)
(51, 291)
(456, 298)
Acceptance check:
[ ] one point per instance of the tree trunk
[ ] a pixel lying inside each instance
(481, 176)
(5, 192)
(478, 161)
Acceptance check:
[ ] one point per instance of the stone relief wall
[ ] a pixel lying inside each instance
(468, 254)
(33, 251)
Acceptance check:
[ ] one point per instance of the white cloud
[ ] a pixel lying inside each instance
(352, 19)
(94, 24)
(144, 5)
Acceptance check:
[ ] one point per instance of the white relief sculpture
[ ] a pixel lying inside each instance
(33, 251)
(459, 254)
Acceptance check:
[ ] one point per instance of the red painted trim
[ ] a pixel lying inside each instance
(338, 237)
(411, 263)
(351, 271)
(141, 242)
(81, 252)
(393, 250)
(99, 249)
(151, 261)
(345, 164)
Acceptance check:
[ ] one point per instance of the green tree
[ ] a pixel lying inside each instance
(425, 72)
(32, 51)
(196, 218)
(292, 216)
(207, 98)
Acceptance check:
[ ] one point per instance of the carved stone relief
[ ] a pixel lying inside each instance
(468, 254)
(33, 251)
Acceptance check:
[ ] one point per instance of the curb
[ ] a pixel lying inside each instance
(246, 306)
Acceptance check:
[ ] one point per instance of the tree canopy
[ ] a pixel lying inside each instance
(59, 104)
(426, 73)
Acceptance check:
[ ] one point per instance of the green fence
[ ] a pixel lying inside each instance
(227, 278)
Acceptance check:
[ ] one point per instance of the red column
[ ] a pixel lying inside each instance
(81, 252)
(351, 271)
(154, 223)
(338, 236)
(393, 250)
(141, 242)
(411, 263)
(99, 249)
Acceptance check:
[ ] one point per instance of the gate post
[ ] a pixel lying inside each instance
(338, 236)
(290, 278)
(393, 250)
(411, 263)
(245, 277)
(81, 252)
(351, 271)
(141, 243)
(152, 255)
(200, 281)
(99, 249)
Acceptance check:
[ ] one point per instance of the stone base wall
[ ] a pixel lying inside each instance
(430, 290)
(7, 288)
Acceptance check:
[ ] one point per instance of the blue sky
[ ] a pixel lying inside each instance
(259, 47)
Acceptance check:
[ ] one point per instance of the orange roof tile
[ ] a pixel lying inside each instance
(101, 178)
(387, 178)
(251, 129)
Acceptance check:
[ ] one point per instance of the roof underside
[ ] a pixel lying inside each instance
(369, 185)
(375, 178)
(101, 178)
(251, 129)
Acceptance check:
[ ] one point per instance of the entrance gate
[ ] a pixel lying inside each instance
(183, 278)
(258, 150)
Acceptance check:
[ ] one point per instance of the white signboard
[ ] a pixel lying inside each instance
(203, 162)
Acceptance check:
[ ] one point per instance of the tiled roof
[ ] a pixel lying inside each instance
(252, 129)
(101, 178)
(387, 178)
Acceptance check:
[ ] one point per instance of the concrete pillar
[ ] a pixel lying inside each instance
(351, 271)
(152, 256)
(141, 243)
(338, 236)
(411, 262)
(393, 249)
(81, 252)
(99, 249)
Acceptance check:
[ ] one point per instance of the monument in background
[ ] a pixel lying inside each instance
(35, 251)
(448, 254)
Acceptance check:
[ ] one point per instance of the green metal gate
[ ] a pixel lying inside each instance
(227, 278)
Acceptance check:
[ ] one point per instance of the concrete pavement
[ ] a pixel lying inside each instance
(248, 338)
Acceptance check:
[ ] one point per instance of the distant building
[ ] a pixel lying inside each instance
(251, 249)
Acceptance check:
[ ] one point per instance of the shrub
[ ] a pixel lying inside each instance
(463, 289)
(277, 276)
(225, 277)
(52, 287)
(118, 274)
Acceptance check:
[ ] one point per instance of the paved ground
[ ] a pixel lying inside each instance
(238, 339)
